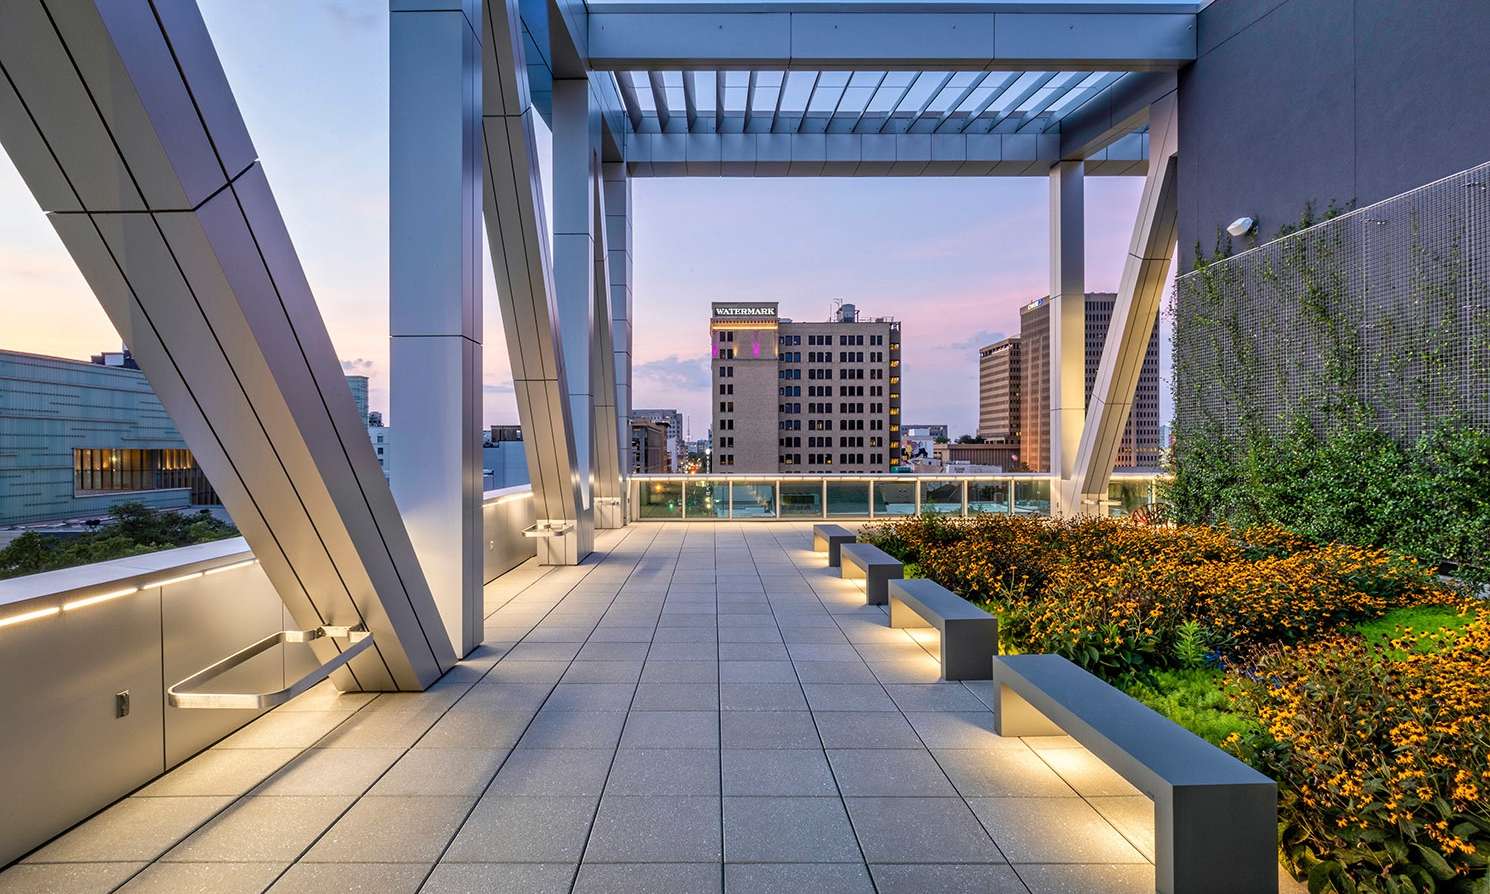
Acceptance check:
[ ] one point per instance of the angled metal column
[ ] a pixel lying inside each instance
(1134, 314)
(120, 119)
(434, 259)
(617, 187)
(518, 235)
(1067, 319)
(610, 486)
(576, 135)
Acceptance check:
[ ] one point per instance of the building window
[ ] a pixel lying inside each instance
(106, 470)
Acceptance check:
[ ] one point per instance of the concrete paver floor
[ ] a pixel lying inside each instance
(698, 707)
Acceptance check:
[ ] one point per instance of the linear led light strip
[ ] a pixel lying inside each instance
(76, 604)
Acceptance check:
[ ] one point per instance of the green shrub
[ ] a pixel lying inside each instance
(1195, 699)
(133, 530)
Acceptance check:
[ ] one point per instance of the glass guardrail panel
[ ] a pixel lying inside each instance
(754, 499)
(941, 497)
(1032, 497)
(1127, 496)
(706, 499)
(802, 499)
(894, 497)
(848, 498)
(987, 496)
(660, 499)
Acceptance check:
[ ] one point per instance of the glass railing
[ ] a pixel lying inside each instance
(766, 497)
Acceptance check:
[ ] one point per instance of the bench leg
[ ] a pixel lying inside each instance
(877, 586)
(1013, 716)
(967, 651)
(835, 553)
(1217, 839)
(901, 615)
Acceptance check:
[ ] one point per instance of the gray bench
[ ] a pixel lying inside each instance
(1215, 818)
(872, 565)
(830, 538)
(969, 637)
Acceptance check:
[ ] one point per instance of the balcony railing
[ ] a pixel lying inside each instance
(799, 497)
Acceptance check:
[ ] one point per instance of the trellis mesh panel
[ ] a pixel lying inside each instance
(1386, 308)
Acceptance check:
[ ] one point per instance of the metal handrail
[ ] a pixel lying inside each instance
(359, 640)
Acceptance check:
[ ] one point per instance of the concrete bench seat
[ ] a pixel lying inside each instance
(1215, 818)
(830, 538)
(872, 565)
(969, 635)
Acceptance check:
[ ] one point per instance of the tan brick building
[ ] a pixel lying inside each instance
(804, 397)
(998, 390)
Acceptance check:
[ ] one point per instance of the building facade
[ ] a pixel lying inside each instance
(677, 447)
(1139, 447)
(358, 387)
(999, 372)
(648, 447)
(804, 397)
(77, 438)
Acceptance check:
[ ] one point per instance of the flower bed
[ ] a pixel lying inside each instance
(1248, 637)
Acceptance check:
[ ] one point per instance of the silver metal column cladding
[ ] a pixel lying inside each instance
(1067, 317)
(518, 234)
(617, 186)
(1134, 314)
(434, 301)
(610, 485)
(120, 119)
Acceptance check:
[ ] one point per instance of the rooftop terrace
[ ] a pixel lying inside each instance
(696, 707)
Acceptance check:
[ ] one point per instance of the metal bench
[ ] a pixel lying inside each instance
(829, 538)
(872, 565)
(1215, 818)
(969, 635)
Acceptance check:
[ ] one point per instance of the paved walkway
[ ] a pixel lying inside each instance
(698, 707)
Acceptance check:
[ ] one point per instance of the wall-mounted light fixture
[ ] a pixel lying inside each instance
(1241, 226)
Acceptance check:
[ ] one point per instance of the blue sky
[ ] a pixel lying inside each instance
(953, 258)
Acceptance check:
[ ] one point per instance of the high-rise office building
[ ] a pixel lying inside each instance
(677, 449)
(648, 446)
(1139, 447)
(999, 373)
(804, 397)
(358, 384)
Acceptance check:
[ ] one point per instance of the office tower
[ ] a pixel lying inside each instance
(1139, 447)
(677, 448)
(804, 397)
(648, 446)
(998, 390)
(358, 384)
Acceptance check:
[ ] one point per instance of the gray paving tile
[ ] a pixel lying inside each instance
(65, 878)
(475, 728)
(1083, 879)
(1001, 773)
(617, 633)
(847, 697)
(960, 729)
(761, 697)
(752, 652)
(1087, 774)
(950, 878)
(889, 772)
(590, 697)
(526, 651)
(599, 650)
(685, 635)
(777, 771)
(672, 829)
(523, 830)
(757, 672)
(671, 729)
(328, 771)
(1133, 817)
(545, 633)
(819, 878)
(524, 672)
(603, 672)
(200, 878)
(220, 771)
(667, 671)
(346, 878)
(854, 671)
(922, 669)
(865, 729)
(133, 830)
(440, 771)
(933, 697)
(822, 652)
(574, 729)
(676, 697)
(768, 729)
(286, 729)
(500, 878)
(1052, 830)
(399, 829)
(551, 772)
(266, 829)
(675, 771)
(647, 878)
(788, 830)
(920, 830)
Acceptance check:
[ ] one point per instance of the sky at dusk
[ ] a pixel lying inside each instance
(952, 258)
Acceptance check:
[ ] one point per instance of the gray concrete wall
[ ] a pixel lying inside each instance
(1291, 101)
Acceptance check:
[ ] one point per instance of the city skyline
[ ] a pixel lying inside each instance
(953, 259)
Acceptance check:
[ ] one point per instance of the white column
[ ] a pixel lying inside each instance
(610, 499)
(1067, 319)
(618, 247)
(576, 134)
(1134, 314)
(434, 236)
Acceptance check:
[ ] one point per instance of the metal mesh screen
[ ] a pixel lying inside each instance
(1385, 308)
